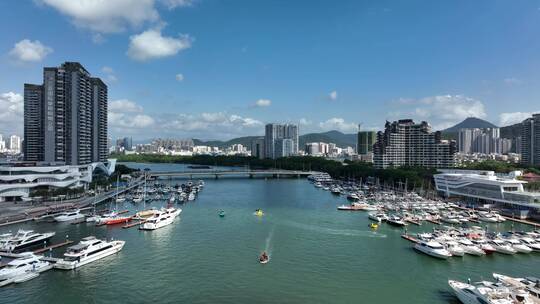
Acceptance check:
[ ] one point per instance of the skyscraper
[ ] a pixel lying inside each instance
(65, 119)
(273, 140)
(15, 144)
(365, 142)
(257, 148)
(404, 143)
(485, 141)
(530, 140)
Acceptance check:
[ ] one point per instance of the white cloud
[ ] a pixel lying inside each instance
(179, 77)
(338, 124)
(172, 4)
(106, 16)
(30, 51)
(215, 124)
(151, 44)
(125, 105)
(107, 70)
(11, 113)
(441, 111)
(305, 122)
(263, 103)
(506, 119)
(512, 81)
(109, 74)
(333, 96)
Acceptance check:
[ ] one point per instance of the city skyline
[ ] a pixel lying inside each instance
(168, 76)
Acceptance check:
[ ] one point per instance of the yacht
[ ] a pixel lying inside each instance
(486, 292)
(470, 248)
(433, 249)
(454, 248)
(69, 216)
(137, 199)
(88, 250)
(160, 219)
(191, 196)
(531, 243)
(27, 262)
(518, 246)
(377, 216)
(25, 238)
(395, 220)
(484, 245)
(353, 197)
(502, 247)
(530, 284)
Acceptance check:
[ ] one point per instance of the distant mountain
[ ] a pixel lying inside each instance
(340, 139)
(468, 123)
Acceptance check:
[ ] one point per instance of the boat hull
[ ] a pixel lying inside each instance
(69, 265)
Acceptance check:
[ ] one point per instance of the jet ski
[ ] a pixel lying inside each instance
(264, 258)
(222, 213)
(259, 212)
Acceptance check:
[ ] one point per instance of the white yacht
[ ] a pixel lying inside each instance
(487, 293)
(378, 216)
(191, 196)
(433, 249)
(69, 216)
(530, 284)
(27, 262)
(518, 246)
(502, 247)
(454, 248)
(161, 218)
(88, 250)
(484, 245)
(137, 199)
(471, 248)
(531, 243)
(25, 238)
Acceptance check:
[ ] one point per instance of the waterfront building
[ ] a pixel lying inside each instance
(530, 141)
(17, 180)
(257, 148)
(280, 140)
(405, 143)
(65, 118)
(486, 187)
(317, 148)
(15, 144)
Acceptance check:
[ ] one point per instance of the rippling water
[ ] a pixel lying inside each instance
(318, 255)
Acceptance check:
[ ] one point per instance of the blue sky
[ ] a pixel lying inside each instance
(323, 64)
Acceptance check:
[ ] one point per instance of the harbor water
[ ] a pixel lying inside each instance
(317, 254)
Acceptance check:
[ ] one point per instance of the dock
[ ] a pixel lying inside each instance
(412, 221)
(410, 238)
(433, 221)
(51, 247)
(526, 222)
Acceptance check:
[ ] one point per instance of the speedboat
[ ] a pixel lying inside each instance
(88, 250)
(137, 199)
(101, 220)
(27, 262)
(487, 247)
(118, 220)
(221, 213)
(502, 247)
(191, 196)
(264, 258)
(434, 249)
(353, 197)
(373, 226)
(25, 238)
(259, 212)
(69, 216)
(531, 243)
(529, 283)
(487, 292)
(454, 248)
(160, 219)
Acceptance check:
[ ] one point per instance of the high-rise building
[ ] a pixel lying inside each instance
(15, 144)
(275, 147)
(257, 148)
(485, 141)
(365, 141)
(530, 140)
(65, 119)
(2, 144)
(404, 143)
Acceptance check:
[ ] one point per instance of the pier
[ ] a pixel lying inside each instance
(51, 247)
(248, 173)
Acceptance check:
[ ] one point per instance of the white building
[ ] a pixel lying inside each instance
(488, 188)
(17, 180)
(2, 144)
(15, 144)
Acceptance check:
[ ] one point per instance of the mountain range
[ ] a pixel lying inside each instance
(511, 131)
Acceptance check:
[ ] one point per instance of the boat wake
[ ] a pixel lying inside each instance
(268, 244)
(332, 231)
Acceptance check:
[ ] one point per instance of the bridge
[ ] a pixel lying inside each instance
(201, 174)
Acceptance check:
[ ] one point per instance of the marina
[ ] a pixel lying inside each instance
(299, 227)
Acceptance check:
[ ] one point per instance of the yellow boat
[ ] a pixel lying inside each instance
(259, 212)
(373, 226)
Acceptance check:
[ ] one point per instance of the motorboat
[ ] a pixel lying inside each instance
(373, 226)
(160, 219)
(353, 197)
(69, 216)
(434, 249)
(454, 248)
(137, 199)
(221, 213)
(264, 258)
(191, 196)
(395, 220)
(530, 284)
(259, 212)
(377, 216)
(27, 262)
(502, 247)
(120, 199)
(88, 250)
(144, 214)
(102, 219)
(25, 238)
(119, 219)
(518, 246)
(172, 199)
(470, 248)
(357, 206)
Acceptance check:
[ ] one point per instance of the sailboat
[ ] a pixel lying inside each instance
(145, 213)
(113, 217)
